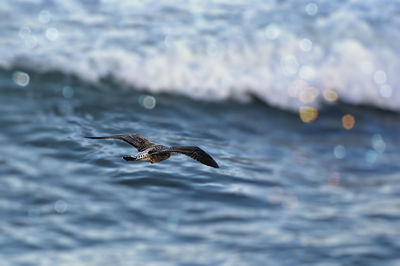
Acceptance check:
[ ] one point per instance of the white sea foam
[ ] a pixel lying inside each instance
(342, 52)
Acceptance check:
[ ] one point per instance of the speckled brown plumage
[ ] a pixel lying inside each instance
(151, 152)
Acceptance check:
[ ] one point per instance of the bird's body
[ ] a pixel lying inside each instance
(153, 153)
(147, 155)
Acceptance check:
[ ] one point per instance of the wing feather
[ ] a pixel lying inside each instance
(195, 153)
(136, 140)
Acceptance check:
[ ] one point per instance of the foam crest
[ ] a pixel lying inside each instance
(342, 57)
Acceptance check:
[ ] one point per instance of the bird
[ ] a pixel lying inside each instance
(154, 153)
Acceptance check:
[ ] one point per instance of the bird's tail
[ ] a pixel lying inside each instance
(129, 158)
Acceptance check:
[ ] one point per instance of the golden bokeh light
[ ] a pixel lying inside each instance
(308, 114)
(330, 95)
(348, 121)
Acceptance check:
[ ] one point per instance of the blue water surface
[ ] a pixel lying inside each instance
(297, 101)
(287, 193)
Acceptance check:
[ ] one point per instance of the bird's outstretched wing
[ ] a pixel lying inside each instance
(195, 153)
(136, 140)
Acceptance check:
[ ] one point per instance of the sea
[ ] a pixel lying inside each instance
(297, 101)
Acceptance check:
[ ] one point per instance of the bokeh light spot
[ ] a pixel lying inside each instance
(308, 114)
(380, 77)
(289, 65)
(307, 72)
(348, 121)
(52, 34)
(330, 95)
(44, 16)
(309, 95)
(367, 67)
(371, 156)
(290, 201)
(275, 196)
(173, 221)
(24, 32)
(305, 45)
(272, 31)
(378, 143)
(300, 157)
(30, 41)
(33, 213)
(68, 92)
(21, 78)
(296, 87)
(311, 9)
(60, 206)
(334, 179)
(386, 91)
(147, 101)
(339, 151)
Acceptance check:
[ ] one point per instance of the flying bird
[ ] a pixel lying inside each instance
(154, 153)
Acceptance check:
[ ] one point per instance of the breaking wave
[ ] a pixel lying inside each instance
(287, 55)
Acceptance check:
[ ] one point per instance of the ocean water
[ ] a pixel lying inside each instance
(297, 101)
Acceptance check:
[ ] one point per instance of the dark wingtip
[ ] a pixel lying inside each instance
(211, 162)
(206, 158)
(96, 137)
(215, 165)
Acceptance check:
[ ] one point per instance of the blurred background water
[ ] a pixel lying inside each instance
(298, 101)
